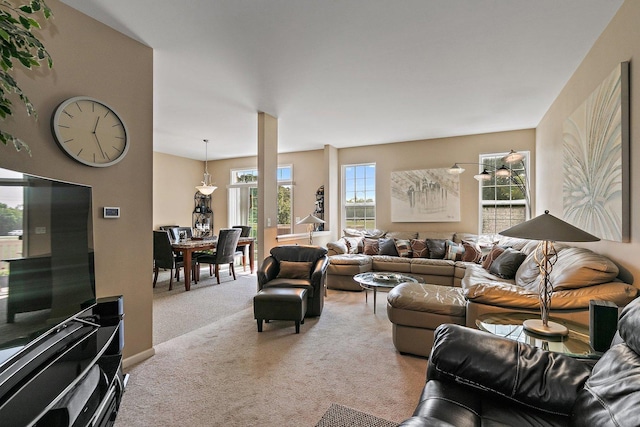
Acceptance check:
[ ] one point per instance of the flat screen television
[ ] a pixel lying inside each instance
(47, 274)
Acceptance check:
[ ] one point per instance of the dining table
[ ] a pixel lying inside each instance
(189, 246)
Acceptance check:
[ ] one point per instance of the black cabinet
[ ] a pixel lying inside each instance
(77, 382)
(202, 215)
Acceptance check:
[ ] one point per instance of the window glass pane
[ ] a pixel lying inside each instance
(503, 200)
(359, 196)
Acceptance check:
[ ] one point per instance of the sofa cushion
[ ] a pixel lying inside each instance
(374, 233)
(579, 267)
(471, 253)
(370, 246)
(507, 263)
(387, 247)
(403, 247)
(391, 263)
(444, 235)
(494, 253)
(294, 270)
(453, 251)
(574, 268)
(352, 232)
(354, 244)
(406, 235)
(419, 248)
(338, 247)
(437, 248)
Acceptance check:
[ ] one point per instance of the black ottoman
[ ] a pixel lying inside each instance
(280, 304)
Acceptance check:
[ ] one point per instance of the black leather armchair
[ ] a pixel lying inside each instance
(475, 378)
(269, 273)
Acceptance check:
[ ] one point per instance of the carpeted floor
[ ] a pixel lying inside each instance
(225, 373)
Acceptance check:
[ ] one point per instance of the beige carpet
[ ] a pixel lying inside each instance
(227, 374)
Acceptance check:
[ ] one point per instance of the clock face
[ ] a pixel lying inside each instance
(90, 132)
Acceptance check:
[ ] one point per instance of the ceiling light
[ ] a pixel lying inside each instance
(206, 188)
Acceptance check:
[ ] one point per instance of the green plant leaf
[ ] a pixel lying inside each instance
(17, 42)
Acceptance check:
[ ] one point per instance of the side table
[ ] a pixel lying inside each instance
(509, 325)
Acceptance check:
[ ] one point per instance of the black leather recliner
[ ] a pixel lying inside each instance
(314, 283)
(478, 379)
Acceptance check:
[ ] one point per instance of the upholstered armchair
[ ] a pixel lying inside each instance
(297, 266)
(475, 378)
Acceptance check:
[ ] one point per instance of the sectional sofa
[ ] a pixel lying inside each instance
(477, 266)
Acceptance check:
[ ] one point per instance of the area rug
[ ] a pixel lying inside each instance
(342, 416)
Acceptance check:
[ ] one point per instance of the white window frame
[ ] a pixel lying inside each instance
(343, 196)
(517, 202)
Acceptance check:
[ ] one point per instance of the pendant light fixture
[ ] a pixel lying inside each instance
(206, 188)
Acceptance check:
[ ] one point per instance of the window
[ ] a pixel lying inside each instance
(504, 201)
(359, 196)
(243, 198)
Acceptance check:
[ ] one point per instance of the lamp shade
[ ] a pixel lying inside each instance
(310, 219)
(548, 227)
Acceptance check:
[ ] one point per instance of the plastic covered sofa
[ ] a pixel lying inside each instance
(475, 378)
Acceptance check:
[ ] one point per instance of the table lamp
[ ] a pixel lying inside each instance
(547, 229)
(311, 220)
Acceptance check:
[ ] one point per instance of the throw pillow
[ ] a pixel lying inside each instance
(294, 270)
(354, 244)
(453, 251)
(471, 252)
(387, 247)
(419, 248)
(339, 246)
(495, 252)
(507, 263)
(371, 246)
(437, 248)
(403, 247)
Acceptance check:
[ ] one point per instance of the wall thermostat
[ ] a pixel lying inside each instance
(111, 212)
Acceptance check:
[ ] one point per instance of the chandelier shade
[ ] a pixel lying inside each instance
(206, 188)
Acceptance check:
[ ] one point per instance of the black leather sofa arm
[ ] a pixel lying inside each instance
(319, 270)
(267, 271)
(543, 380)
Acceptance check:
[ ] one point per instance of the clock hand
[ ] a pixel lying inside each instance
(96, 126)
(99, 146)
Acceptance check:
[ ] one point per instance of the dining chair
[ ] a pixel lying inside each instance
(175, 232)
(224, 252)
(242, 250)
(164, 257)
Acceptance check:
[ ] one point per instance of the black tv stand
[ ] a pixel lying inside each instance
(76, 384)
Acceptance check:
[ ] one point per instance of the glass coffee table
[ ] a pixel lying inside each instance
(509, 325)
(372, 281)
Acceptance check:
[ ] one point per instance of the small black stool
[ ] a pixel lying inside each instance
(280, 304)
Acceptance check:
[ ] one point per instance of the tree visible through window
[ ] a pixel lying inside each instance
(503, 202)
(359, 196)
(243, 198)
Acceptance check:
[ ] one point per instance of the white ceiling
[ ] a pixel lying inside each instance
(351, 72)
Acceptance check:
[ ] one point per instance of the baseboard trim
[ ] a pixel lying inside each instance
(137, 358)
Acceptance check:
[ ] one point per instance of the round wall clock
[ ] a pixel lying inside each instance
(90, 132)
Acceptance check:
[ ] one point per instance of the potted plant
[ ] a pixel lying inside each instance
(19, 46)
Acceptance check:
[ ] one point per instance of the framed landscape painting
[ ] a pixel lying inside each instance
(425, 195)
(596, 160)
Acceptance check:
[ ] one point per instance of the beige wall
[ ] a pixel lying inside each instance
(92, 59)
(618, 43)
(309, 169)
(174, 185)
(431, 154)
